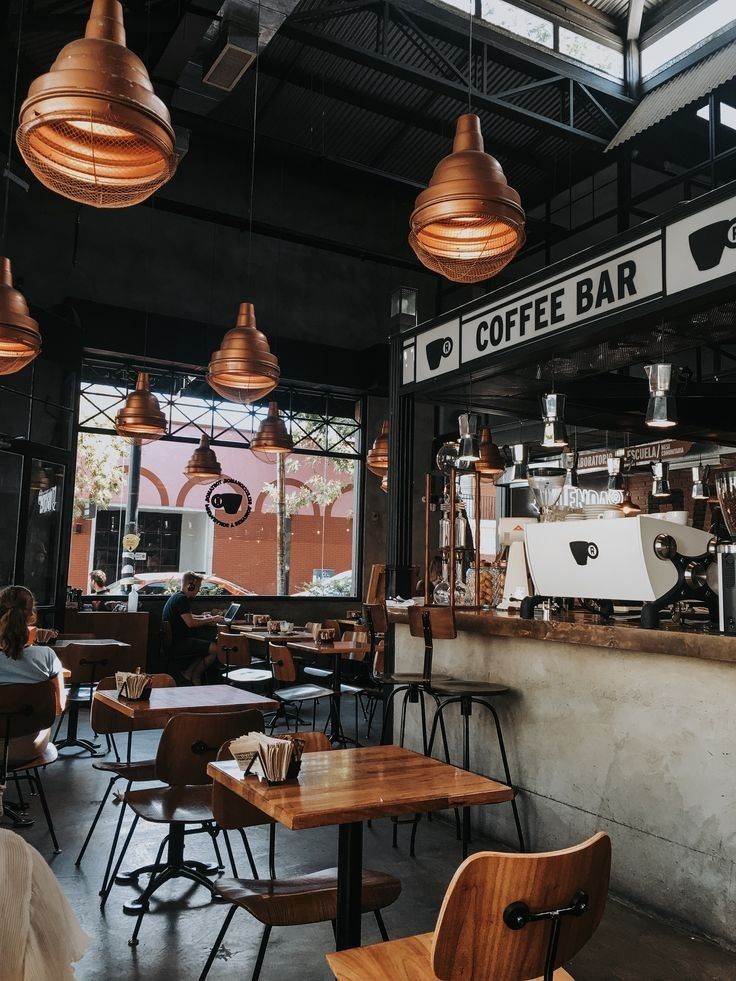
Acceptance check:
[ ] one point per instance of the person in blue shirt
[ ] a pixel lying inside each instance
(191, 634)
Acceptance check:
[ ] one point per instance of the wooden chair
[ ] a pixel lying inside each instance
(26, 709)
(87, 665)
(296, 901)
(188, 744)
(314, 670)
(235, 649)
(510, 917)
(106, 722)
(291, 693)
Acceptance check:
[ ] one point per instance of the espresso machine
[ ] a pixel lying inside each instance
(726, 552)
(638, 560)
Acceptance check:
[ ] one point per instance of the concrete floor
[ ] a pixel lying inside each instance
(176, 936)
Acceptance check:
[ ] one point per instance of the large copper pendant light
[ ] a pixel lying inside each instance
(468, 224)
(377, 457)
(203, 464)
(20, 340)
(243, 369)
(92, 128)
(491, 463)
(272, 435)
(140, 419)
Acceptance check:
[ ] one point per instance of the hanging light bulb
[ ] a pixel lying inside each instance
(377, 457)
(203, 464)
(140, 419)
(92, 129)
(553, 412)
(662, 407)
(468, 224)
(243, 369)
(272, 435)
(20, 340)
(569, 461)
(467, 453)
(660, 484)
(615, 477)
(490, 462)
(701, 490)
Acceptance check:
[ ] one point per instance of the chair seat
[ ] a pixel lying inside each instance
(318, 672)
(411, 679)
(351, 689)
(248, 676)
(165, 805)
(458, 687)
(137, 771)
(309, 898)
(302, 693)
(409, 959)
(49, 755)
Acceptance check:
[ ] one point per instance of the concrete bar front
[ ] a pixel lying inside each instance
(610, 728)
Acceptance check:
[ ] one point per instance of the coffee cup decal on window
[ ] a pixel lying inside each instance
(708, 244)
(230, 503)
(438, 349)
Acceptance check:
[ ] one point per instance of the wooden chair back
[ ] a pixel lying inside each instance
(314, 742)
(333, 625)
(24, 709)
(282, 663)
(441, 622)
(473, 938)
(355, 637)
(190, 741)
(376, 617)
(105, 720)
(234, 649)
(88, 664)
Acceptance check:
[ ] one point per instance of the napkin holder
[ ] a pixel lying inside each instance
(124, 690)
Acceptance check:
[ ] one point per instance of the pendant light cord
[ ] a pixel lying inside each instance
(253, 148)
(470, 56)
(11, 127)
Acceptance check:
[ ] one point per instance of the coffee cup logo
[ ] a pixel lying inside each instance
(228, 508)
(582, 551)
(708, 244)
(438, 349)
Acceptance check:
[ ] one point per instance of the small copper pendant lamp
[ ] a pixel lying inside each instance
(272, 435)
(243, 369)
(468, 224)
(491, 463)
(20, 340)
(203, 464)
(92, 129)
(140, 419)
(377, 457)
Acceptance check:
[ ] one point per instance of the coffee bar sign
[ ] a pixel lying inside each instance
(686, 252)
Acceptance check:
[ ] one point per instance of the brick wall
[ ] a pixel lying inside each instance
(79, 568)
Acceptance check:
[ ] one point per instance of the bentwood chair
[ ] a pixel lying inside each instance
(296, 901)
(27, 709)
(87, 665)
(235, 653)
(189, 743)
(510, 917)
(289, 692)
(106, 721)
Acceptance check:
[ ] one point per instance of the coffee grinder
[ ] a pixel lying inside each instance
(726, 552)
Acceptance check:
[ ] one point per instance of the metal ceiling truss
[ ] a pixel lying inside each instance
(396, 21)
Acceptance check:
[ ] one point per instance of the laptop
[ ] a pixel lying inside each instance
(231, 613)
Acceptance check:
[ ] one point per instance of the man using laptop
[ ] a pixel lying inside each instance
(191, 634)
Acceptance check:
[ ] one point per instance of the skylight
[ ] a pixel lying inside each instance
(727, 114)
(687, 35)
(519, 22)
(591, 53)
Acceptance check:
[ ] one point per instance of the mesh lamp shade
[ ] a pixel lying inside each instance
(272, 435)
(243, 369)
(491, 463)
(468, 224)
(141, 420)
(203, 464)
(20, 340)
(92, 128)
(377, 457)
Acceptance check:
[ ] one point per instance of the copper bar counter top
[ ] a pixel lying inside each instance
(588, 630)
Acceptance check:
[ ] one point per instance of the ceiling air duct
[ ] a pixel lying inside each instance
(229, 58)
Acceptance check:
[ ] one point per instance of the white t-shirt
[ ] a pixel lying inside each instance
(36, 663)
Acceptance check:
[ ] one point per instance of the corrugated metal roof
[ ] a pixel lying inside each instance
(691, 85)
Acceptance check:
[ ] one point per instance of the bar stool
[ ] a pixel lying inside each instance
(439, 621)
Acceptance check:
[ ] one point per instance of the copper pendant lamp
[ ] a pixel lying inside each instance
(272, 435)
(377, 457)
(141, 420)
(491, 463)
(20, 340)
(92, 129)
(468, 224)
(243, 369)
(203, 464)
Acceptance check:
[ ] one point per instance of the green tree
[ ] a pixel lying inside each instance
(100, 475)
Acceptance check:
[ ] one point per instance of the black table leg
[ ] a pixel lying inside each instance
(72, 739)
(349, 885)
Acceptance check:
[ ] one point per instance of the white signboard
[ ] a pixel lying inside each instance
(438, 351)
(702, 247)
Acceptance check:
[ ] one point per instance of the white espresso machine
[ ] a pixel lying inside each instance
(642, 560)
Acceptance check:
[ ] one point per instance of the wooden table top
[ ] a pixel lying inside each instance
(343, 786)
(165, 703)
(264, 636)
(337, 647)
(61, 642)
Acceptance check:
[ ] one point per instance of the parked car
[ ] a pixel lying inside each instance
(166, 583)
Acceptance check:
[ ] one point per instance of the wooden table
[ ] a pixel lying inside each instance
(265, 638)
(348, 787)
(61, 642)
(336, 650)
(165, 703)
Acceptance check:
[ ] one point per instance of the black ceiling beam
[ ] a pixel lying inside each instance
(443, 86)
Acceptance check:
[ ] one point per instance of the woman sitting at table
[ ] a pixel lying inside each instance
(191, 634)
(25, 659)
